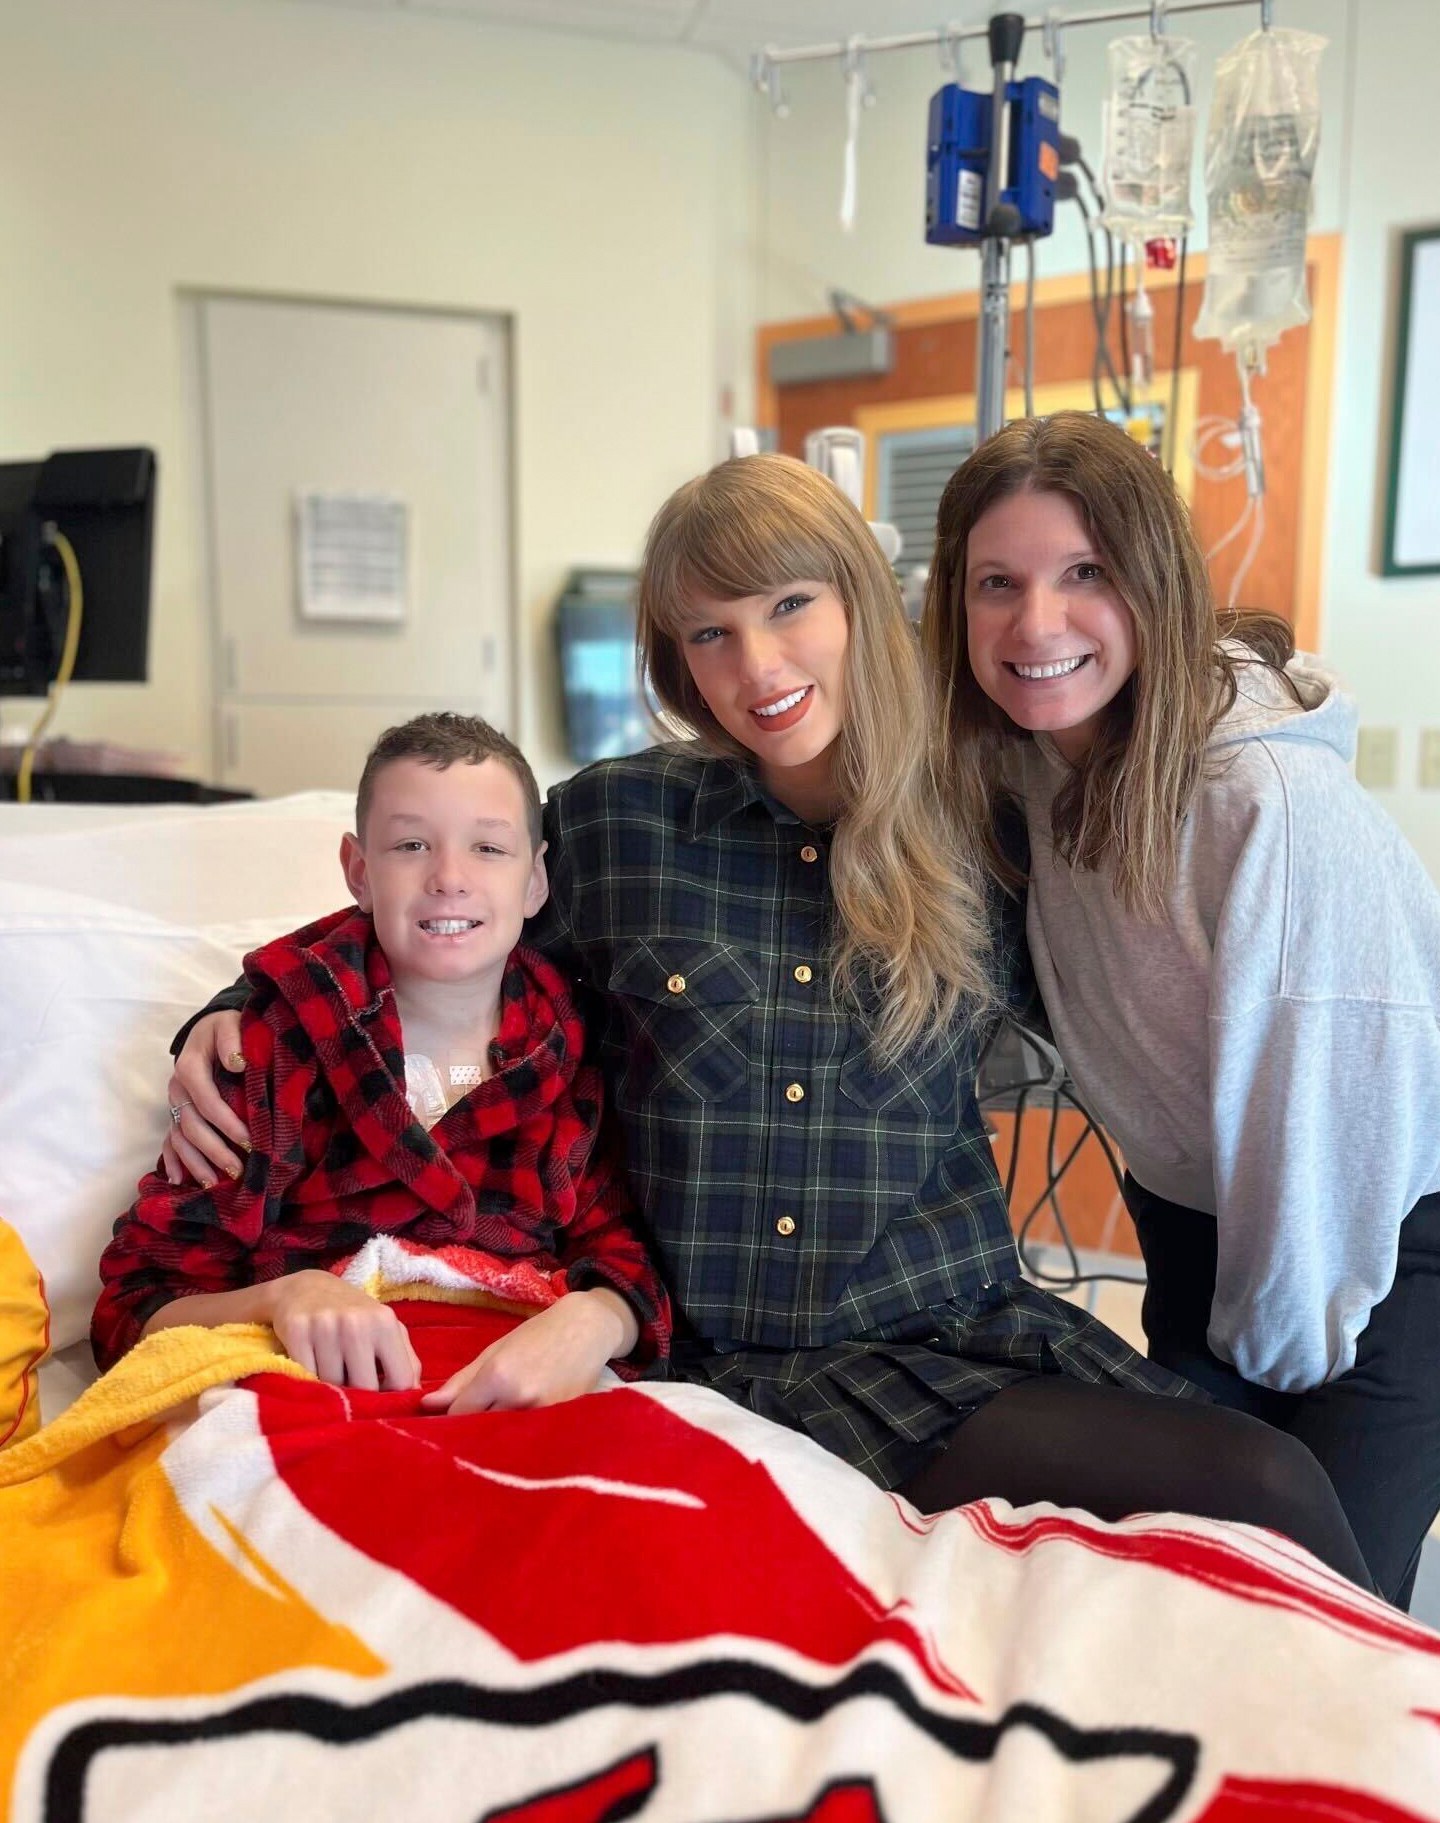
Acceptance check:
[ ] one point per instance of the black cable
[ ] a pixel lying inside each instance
(1091, 179)
(1094, 305)
(1092, 1130)
(1059, 1090)
(1122, 386)
(1072, 1280)
(1103, 307)
(1014, 1165)
(1172, 426)
(1021, 1104)
(1102, 1141)
(1100, 309)
(1048, 1194)
(1053, 1198)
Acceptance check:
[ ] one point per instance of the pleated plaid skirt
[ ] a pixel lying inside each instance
(888, 1400)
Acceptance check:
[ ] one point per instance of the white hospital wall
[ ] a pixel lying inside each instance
(1377, 83)
(599, 191)
(1382, 632)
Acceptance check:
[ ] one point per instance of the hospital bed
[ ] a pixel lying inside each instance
(231, 1591)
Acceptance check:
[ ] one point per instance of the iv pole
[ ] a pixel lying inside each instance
(1006, 34)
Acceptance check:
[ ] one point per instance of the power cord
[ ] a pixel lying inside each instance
(1100, 308)
(1072, 1280)
(75, 601)
(1054, 1085)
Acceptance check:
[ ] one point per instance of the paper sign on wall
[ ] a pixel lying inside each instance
(353, 557)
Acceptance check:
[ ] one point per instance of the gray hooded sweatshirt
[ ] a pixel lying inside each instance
(1270, 1051)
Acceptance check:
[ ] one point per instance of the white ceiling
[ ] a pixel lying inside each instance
(732, 29)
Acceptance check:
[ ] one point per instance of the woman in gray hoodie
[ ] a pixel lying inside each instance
(1238, 953)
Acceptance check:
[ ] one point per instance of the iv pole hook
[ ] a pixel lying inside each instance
(765, 74)
(1051, 40)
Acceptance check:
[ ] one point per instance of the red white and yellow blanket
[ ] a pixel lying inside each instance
(230, 1591)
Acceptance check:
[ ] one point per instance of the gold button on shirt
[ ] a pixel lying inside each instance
(786, 1225)
(676, 984)
(794, 1092)
(802, 974)
(809, 852)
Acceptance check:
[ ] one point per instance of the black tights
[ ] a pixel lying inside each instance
(1115, 1452)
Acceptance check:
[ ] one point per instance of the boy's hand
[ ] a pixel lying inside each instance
(195, 1145)
(341, 1333)
(553, 1356)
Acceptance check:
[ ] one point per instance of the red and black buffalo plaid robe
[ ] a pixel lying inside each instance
(516, 1168)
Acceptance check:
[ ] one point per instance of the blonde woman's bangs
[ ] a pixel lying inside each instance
(726, 550)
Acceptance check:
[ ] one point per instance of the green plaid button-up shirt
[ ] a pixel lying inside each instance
(796, 1195)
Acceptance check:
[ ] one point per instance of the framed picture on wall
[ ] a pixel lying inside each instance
(1412, 504)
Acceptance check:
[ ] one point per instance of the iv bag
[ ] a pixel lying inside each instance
(1149, 139)
(1259, 163)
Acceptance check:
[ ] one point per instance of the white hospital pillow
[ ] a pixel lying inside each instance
(112, 932)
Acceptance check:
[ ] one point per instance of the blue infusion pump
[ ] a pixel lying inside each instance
(958, 155)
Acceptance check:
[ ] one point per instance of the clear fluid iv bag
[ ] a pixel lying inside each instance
(1149, 139)
(1259, 166)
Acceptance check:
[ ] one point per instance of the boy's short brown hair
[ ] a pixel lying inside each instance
(443, 739)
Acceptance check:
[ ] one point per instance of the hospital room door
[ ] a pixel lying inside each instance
(357, 493)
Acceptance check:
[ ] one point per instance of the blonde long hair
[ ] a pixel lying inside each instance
(1128, 797)
(911, 942)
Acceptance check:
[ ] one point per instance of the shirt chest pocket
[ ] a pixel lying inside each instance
(689, 1011)
(919, 1088)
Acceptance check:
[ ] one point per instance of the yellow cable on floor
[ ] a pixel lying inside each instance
(67, 658)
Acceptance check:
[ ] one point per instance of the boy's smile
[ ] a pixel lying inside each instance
(445, 867)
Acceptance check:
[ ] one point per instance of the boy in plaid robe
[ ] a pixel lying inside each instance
(410, 1072)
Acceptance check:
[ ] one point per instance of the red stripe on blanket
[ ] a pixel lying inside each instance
(1286, 1801)
(1219, 1565)
(603, 1798)
(482, 1511)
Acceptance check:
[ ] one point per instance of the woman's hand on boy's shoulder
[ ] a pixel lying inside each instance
(341, 1333)
(200, 1119)
(555, 1355)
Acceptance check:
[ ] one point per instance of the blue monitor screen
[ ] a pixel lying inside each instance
(605, 710)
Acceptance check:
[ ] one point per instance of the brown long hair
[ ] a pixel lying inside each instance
(1127, 799)
(910, 925)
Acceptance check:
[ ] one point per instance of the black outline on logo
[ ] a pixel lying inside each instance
(337, 1723)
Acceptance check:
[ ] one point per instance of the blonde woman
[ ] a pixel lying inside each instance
(791, 966)
(1238, 952)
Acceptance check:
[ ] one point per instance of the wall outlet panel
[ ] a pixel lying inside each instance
(1377, 758)
(1430, 759)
